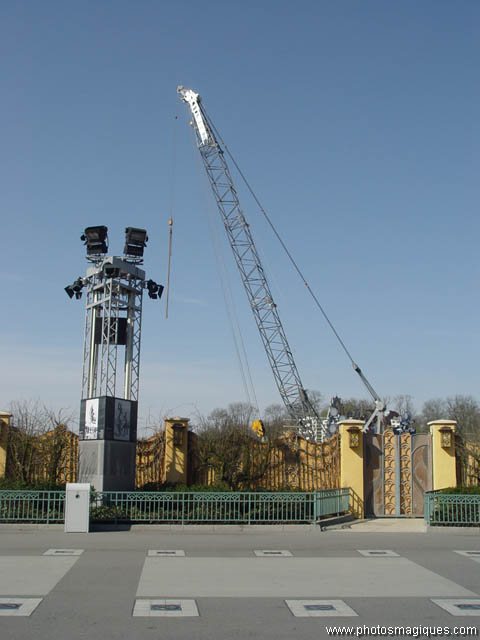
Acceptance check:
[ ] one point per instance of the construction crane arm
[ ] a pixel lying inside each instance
(248, 262)
(367, 384)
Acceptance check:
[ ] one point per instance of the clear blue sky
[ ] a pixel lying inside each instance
(356, 123)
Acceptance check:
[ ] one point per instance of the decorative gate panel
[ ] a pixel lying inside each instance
(389, 473)
(397, 473)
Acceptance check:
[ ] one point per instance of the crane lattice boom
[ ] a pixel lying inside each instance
(248, 262)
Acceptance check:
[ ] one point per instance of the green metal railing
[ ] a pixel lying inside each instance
(32, 506)
(228, 507)
(448, 509)
(179, 507)
(332, 502)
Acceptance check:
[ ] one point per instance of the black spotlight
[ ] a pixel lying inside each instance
(154, 290)
(110, 271)
(75, 289)
(95, 239)
(135, 242)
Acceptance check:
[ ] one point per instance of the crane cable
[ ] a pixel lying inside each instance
(170, 224)
(232, 316)
(279, 238)
(172, 204)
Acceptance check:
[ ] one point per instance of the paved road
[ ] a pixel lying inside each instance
(235, 593)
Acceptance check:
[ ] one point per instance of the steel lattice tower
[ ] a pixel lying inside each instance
(111, 358)
(114, 293)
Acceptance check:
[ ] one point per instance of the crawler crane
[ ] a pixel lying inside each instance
(279, 354)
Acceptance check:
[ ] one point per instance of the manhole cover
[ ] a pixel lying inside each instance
(467, 553)
(319, 608)
(173, 608)
(9, 606)
(385, 553)
(63, 552)
(459, 606)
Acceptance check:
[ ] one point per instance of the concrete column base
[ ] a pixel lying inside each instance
(108, 465)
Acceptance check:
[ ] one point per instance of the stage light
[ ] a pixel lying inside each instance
(154, 290)
(75, 289)
(110, 271)
(95, 239)
(135, 242)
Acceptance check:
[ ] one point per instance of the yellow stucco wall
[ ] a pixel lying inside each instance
(176, 457)
(351, 466)
(443, 459)
(4, 424)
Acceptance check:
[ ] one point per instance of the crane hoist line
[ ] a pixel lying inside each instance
(279, 354)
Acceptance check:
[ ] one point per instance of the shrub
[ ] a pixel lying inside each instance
(462, 489)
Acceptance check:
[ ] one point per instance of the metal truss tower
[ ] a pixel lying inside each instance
(114, 292)
(111, 358)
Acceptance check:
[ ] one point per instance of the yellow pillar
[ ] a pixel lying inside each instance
(4, 425)
(443, 453)
(176, 450)
(351, 463)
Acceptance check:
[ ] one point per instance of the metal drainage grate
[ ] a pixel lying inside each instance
(18, 606)
(279, 553)
(370, 553)
(459, 606)
(317, 608)
(166, 553)
(165, 608)
(63, 552)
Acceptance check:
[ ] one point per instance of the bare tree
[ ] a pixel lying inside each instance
(358, 408)
(225, 445)
(316, 400)
(403, 404)
(27, 424)
(274, 419)
(466, 411)
(40, 446)
(238, 460)
(434, 409)
(241, 414)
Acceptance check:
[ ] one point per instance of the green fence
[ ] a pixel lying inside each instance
(179, 507)
(208, 507)
(32, 506)
(443, 509)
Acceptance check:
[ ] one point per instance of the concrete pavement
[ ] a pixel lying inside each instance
(236, 594)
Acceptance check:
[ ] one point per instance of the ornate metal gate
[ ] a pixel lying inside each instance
(397, 473)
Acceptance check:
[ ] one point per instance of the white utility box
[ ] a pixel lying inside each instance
(77, 507)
